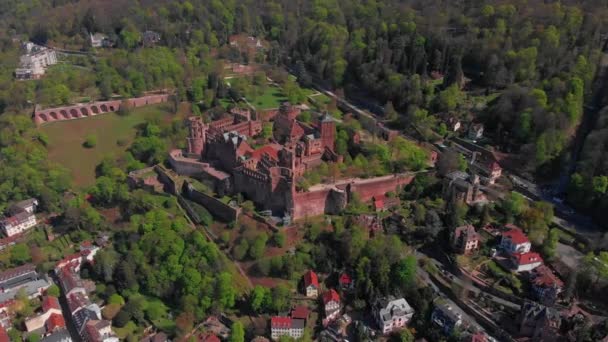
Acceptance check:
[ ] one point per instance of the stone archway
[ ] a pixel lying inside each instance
(95, 110)
(84, 111)
(43, 117)
(104, 108)
(64, 113)
(53, 115)
(74, 113)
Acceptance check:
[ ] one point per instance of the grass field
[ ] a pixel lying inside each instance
(271, 98)
(66, 139)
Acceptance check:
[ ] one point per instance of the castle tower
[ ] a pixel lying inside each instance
(198, 136)
(328, 131)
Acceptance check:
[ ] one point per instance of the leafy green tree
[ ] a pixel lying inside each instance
(20, 254)
(90, 141)
(259, 298)
(258, 247)
(279, 239)
(225, 291)
(53, 291)
(237, 333)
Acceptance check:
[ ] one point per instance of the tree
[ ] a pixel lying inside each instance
(514, 204)
(53, 291)
(390, 113)
(90, 141)
(237, 333)
(225, 292)
(404, 272)
(279, 239)
(20, 254)
(257, 248)
(258, 299)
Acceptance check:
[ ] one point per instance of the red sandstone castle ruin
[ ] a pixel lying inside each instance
(220, 153)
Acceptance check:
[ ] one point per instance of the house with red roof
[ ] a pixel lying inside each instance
(515, 241)
(209, 338)
(522, 262)
(545, 285)
(346, 282)
(300, 312)
(51, 317)
(286, 326)
(311, 284)
(465, 239)
(331, 305)
(3, 335)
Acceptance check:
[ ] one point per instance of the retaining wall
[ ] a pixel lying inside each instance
(216, 207)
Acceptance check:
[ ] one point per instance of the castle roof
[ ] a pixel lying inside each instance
(310, 278)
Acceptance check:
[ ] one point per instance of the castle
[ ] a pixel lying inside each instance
(220, 153)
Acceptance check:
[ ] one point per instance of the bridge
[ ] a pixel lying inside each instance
(84, 110)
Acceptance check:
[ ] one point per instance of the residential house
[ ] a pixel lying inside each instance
(522, 262)
(346, 282)
(49, 320)
(545, 285)
(475, 131)
(539, 322)
(100, 331)
(60, 336)
(465, 239)
(331, 305)
(392, 314)
(515, 241)
(17, 276)
(286, 326)
(34, 62)
(97, 39)
(3, 335)
(150, 38)
(446, 317)
(481, 161)
(311, 284)
(300, 312)
(213, 325)
(452, 123)
(22, 217)
(208, 338)
(158, 337)
(458, 185)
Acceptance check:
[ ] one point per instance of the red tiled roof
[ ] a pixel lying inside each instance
(526, 258)
(55, 321)
(300, 312)
(296, 130)
(49, 302)
(331, 295)
(515, 235)
(468, 230)
(3, 335)
(479, 337)
(280, 322)
(345, 279)
(310, 278)
(268, 150)
(209, 338)
(17, 271)
(543, 277)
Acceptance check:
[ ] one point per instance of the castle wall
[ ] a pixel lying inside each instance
(216, 207)
(332, 198)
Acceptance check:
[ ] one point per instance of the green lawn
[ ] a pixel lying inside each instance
(66, 139)
(271, 98)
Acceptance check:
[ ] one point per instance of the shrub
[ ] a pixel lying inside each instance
(90, 141)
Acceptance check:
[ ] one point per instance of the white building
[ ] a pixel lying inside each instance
(286, 326)
(34, 62)
(22, 217)
(523, 262)
(393, 314)
(98, 40)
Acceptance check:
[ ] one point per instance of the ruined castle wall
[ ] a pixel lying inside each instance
(331, 199)
(186, 167)
(216, 207)
(368, 188)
